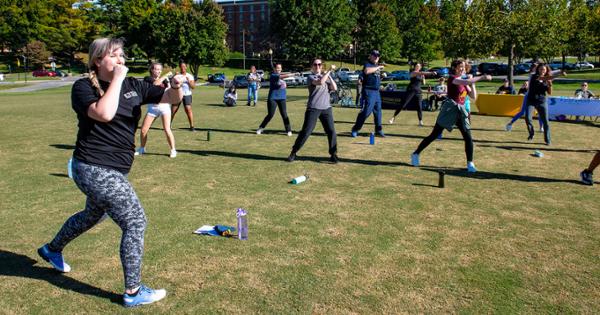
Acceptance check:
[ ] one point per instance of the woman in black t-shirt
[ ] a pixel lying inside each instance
(539, 85)
(108, 109)
(417, 77)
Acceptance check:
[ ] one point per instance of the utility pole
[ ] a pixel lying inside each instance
(244, 46)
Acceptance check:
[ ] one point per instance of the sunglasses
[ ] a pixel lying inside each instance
(317, 64)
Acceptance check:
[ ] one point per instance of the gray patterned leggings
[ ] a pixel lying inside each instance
(108, 191)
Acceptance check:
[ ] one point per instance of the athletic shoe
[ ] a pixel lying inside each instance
(381, 134)
(143, 296)
(586, 178)
(414, 159)
(289, 133)
(421, 123)
(541, 129)
(173, 153)
(292, 157)
(508, 127)
(259, 131)
(334, 159)
(140, 151)
(55, 259)
(192, 129)
(354, 134)
(439, 137)
(530, 138)
(471, 167)
(248, 104)
(391, 121)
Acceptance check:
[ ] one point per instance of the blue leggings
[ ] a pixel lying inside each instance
(523, 111)
(108, 192)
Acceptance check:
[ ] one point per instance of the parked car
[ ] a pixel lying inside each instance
(440, 71)
(240, 81)
(217, 78)
(488, 67)
(556, 65)
(521, 68)
(583, 65)
(60, 73)
(345, 75)
(400, 75)
(43, 73)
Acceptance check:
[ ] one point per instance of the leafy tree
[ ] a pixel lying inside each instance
(311, 28)
(378, 30)
(422, 40)
(36, 53)
(582, 39)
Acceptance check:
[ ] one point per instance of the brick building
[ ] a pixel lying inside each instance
(248, 22)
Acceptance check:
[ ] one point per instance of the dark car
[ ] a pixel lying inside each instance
(43, 73)
(489, 68)
(440, 71)
(217, 78)
(521, 68)
(240, 81)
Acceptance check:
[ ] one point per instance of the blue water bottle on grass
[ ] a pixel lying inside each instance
(372, 138)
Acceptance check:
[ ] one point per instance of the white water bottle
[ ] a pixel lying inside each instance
(242, 224)
(299, 179)
(70, 168)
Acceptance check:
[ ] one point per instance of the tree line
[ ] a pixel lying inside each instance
(413, 30)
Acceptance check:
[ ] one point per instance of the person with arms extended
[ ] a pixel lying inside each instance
(188, 85)
(318, 107)
(108, 109)
(157, 110)
(276, 99)
(417, 77)
(370, 98)
(453, 113)
(540, 85)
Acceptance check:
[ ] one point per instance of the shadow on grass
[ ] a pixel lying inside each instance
(63, 146)
(490, 175)
(252, 156)
(425, 185)
(58, 175)
(17, 265)
(542, 147)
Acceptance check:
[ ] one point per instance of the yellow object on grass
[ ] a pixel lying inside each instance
(498, 105)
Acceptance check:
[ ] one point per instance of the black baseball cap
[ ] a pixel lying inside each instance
(375, 53)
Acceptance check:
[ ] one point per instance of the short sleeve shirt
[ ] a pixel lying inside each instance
(185, 86)
(583, 94)
(318, 95)
(457, 93)
(277, 87)
(371, 81)
(110, 144)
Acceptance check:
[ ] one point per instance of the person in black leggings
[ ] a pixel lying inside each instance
(417, 77)
(108, 109)
(318, 107)
(540, 84)
(276, 99)
(453, 113)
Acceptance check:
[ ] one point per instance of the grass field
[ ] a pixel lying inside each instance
(368, 235)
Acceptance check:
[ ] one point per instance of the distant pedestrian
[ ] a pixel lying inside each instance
(253, 85)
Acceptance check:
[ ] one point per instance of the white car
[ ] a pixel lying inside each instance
(346, 75)
(584, 65)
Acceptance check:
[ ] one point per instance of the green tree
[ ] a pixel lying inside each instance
(378, 30)
(582, 39)
(37, 54)
(422, 39)
(311, 28)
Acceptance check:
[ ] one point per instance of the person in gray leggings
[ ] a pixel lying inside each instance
(108, 109)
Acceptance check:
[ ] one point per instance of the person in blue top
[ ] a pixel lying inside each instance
(371, 99)
(276, 99)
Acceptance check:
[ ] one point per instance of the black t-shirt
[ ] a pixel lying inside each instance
(149, 79)
(415, 84)
(111, 144)
(537, 91)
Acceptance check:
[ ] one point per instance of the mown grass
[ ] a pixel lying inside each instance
(370, 234)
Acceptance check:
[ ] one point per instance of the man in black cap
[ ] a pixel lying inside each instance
(371, 99)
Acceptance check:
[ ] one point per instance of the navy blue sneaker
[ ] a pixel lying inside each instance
(55, 259)
(354, 134)
(143, 296)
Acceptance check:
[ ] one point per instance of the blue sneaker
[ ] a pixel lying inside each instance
(381, 134)
(144, 295)
(354, 134)
(55, 259)
(471, 167)
(414, 159)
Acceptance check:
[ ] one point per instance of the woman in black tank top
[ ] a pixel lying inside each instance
(417, 77)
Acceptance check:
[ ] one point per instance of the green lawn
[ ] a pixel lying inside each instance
(368, 235)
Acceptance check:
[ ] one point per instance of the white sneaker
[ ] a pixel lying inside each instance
(471, 167)
(140, 151)
(541, 129)
(421, 123)
(173, 153)
(289, 133)
(391, 121)
(259, 131)
(508, 127)
(414, 159)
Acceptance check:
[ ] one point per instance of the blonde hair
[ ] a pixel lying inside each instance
(99, 48)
